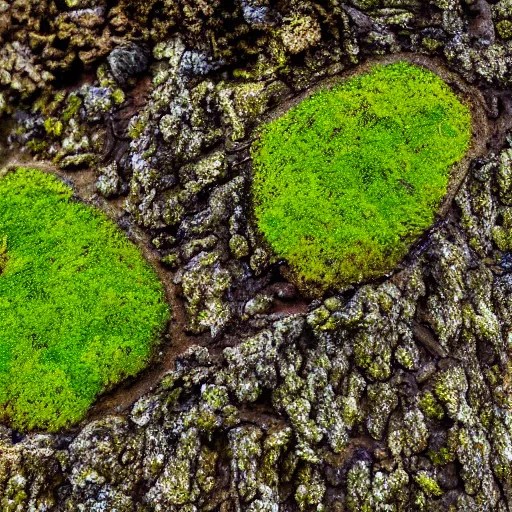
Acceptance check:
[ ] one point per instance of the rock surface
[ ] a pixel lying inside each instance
(394, 395)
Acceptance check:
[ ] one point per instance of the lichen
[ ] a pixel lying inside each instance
(428, 484)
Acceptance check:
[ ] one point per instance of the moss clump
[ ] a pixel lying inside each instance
(3, 253)
(53, 126)
(348, 179)
(80, 309)
(73, 105)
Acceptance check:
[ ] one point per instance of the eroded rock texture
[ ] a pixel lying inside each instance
(389, 396)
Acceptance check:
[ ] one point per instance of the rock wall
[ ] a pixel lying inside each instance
(392, 395)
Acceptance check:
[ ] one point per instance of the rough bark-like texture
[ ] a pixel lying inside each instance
(389, 396)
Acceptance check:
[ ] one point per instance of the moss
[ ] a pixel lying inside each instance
(428, 484)
(79, 307)
(3, 254)
(73, 104)
(348, 179)
(53, 126)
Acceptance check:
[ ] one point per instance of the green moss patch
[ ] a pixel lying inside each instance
(348, 179)
(80, 309)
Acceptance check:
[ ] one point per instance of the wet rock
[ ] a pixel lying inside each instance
(390, 396)
(127, 61)
(109, 183)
